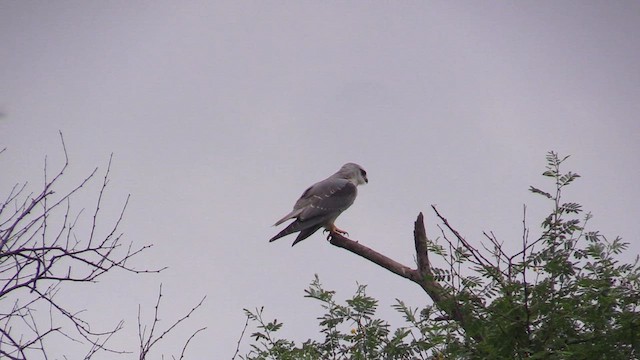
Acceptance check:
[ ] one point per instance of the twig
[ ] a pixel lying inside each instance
(186, 344)
(146, 343)
(525, 238)
(246, 323)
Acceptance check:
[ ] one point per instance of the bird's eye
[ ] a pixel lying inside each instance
(363, 173)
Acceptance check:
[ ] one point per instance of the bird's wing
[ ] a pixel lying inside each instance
(330, 193)
(327, 198)
(304, 200)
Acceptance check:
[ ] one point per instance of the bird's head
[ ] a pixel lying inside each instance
(354, 173)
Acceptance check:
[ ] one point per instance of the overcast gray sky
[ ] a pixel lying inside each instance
(220, 113)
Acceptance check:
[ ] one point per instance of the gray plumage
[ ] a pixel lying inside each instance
(323, 202)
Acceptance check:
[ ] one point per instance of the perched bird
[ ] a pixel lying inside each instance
(323, 202)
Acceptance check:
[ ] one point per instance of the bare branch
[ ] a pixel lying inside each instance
(422, 253)
(186, 344)
(246, 324)
(423, 276)
(148, 341)
(373, 256)
(479, 258)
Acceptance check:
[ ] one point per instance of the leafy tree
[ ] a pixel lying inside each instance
(563, 295)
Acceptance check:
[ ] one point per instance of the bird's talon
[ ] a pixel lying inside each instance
(341, 232)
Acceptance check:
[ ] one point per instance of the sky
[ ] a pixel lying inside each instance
(219, 114)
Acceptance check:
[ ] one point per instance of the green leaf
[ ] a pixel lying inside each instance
(571, 208)
(538, 191)
(567, 178)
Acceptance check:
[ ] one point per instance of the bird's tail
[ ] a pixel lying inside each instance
(306, 228)
(293, 227)
(306, 233)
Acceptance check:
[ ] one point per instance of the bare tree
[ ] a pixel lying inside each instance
(42, 251)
